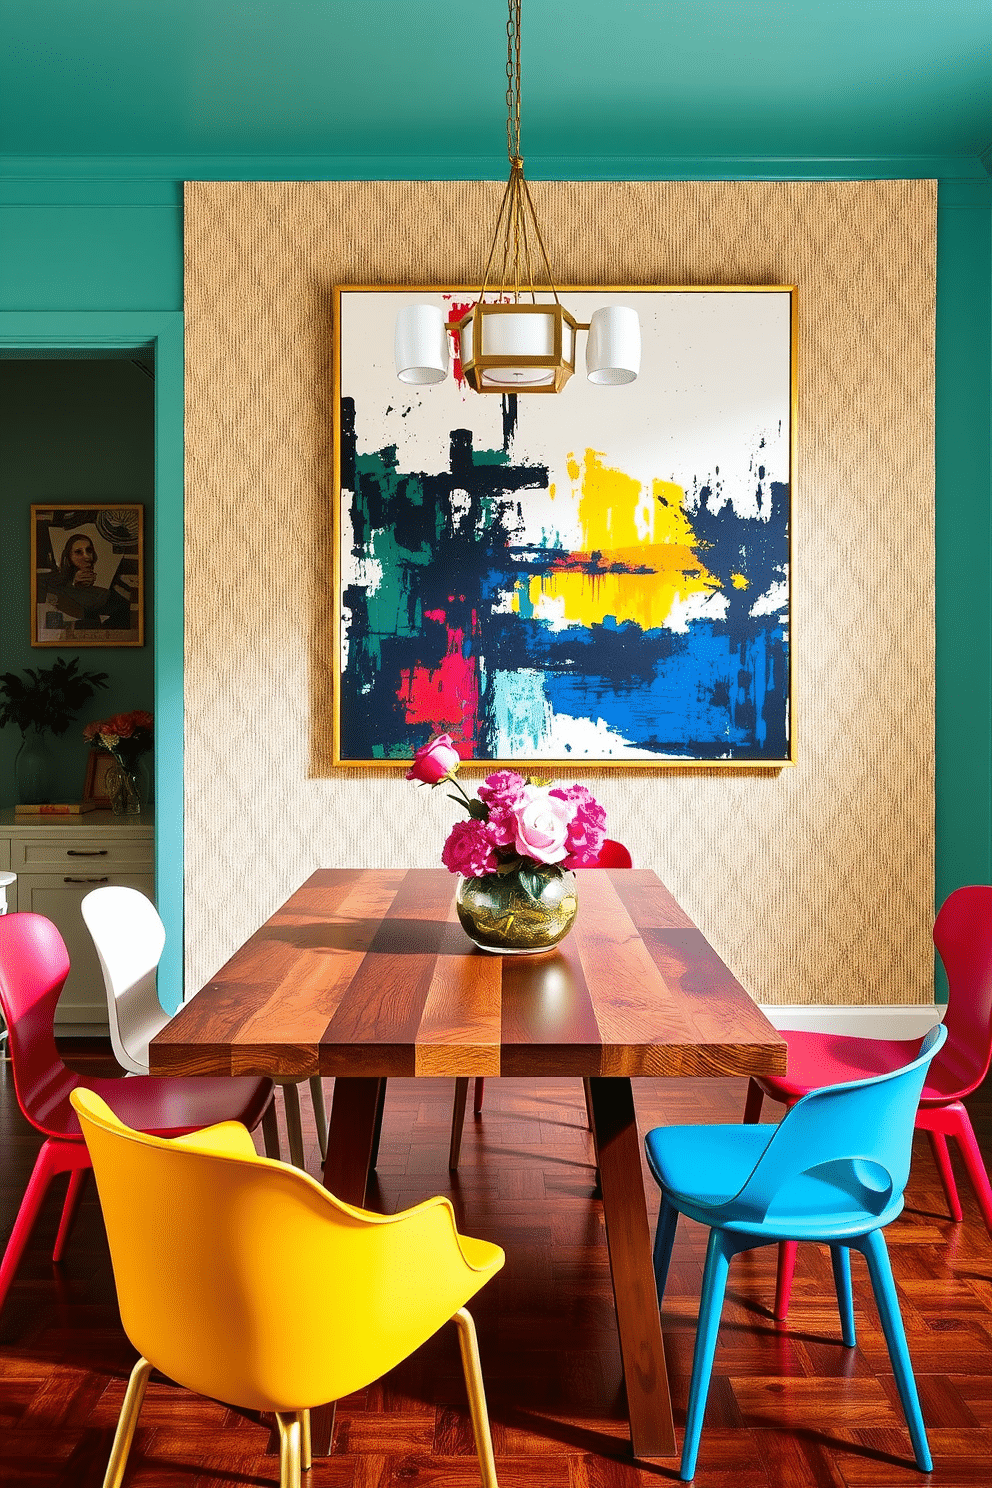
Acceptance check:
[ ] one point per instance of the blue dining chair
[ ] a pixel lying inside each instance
(832, 1171)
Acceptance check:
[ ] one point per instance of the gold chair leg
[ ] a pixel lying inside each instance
(270, 1132)
(306, 1448)
(127, 1421)
(289, 1449)
(469, 1345)
(320, 1114)
(294, 1125)
(457, 1121)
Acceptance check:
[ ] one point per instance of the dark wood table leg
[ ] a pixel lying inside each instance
(377, 1131)
(352, 1137)
(352, 1143)
(628, 1236)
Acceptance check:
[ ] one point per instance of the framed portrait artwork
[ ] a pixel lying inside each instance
(600, 577)
(87, 565)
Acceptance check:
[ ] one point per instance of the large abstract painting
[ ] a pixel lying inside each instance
(600, 576)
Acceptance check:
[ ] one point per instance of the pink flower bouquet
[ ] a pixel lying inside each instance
(514, 824)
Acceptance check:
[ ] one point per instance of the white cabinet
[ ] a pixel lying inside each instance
(58, 862)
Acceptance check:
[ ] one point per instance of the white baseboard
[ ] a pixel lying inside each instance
(900, 1021)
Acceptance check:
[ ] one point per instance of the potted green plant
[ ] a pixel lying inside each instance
(44, 704)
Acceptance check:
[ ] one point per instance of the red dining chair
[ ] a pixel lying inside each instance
(34, 964)
(962, 934)
(611, 855)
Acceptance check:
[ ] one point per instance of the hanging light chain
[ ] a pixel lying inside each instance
(513, 83)
(512, 238)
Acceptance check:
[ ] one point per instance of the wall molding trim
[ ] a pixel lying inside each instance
(146, 168)
(893, 1021)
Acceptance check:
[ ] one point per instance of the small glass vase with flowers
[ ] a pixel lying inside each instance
(515, 853)
(125, 736)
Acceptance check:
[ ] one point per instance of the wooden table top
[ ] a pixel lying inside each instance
(367, 972)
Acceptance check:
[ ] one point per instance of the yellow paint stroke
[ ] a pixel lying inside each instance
(738, 581)
(611, 510)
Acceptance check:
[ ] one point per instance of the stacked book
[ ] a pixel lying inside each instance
(55, 808)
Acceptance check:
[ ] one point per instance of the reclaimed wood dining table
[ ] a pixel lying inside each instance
(366, 975)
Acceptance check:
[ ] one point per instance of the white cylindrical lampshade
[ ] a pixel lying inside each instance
(420, 344)
(518, 336)
(613, 346)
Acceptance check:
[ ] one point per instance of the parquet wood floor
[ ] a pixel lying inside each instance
(789, 1405)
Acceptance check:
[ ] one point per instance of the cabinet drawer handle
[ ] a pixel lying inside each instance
(105, 879)
(86, 852)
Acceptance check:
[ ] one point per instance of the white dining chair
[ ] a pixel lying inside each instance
(6, 879)
(129, 938)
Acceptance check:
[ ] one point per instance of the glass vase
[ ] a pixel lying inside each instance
(123, 790)
(518, 913)
(33, 770)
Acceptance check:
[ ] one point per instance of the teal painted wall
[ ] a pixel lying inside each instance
(72, 431)
(116, 245)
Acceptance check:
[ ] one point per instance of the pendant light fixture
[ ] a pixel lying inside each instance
(517, 337)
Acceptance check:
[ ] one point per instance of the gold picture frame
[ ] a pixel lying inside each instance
(479, 591)
(97, 767)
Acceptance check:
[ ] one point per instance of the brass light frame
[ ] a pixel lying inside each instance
(516, 226)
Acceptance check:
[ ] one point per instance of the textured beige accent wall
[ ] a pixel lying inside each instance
(814, 884)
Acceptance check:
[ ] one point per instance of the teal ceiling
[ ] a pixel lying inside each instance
(425, 78)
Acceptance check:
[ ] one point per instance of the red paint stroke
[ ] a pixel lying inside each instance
(593, 563)
(447, 699)
(455, 312)
(458, 308)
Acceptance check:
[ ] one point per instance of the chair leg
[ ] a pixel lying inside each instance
(320, 1113)
(941, 1156)
(126, 1422)
(754, 1102)
(380, 1111)
(668, 1218)
(270, 1132)
(306, 1446)
(783, 1282)
(290, 1449)
(480, 1090)
(587, 1092)
(73, 1194)
(718, 1254)
(457, 1121)
(877, 1256)
(468, 1343)
(294, 1125)
(965, 1134)
(840, 1260)
(54, 1157)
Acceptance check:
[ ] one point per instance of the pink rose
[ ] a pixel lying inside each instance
(469, 849)
(502, 788)
(502, 824)
(435, 761)
(586, 830)
(542, 824)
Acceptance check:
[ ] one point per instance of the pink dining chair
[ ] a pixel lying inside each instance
(962, 934)
(34, 964)
(611, 855)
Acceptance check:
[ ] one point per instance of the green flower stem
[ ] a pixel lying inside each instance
(466, 800)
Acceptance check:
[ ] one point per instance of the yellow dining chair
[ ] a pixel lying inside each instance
(244, 1280)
